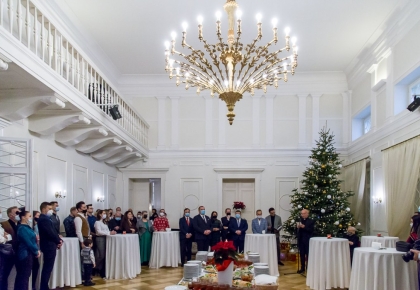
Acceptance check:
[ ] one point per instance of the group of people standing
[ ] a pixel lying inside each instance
(23, 237)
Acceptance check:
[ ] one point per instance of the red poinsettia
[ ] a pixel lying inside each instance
(239, 205)
(224, 254)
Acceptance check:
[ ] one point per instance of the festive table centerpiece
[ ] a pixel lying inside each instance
(224, 256)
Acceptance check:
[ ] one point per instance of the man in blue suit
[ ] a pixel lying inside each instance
(259, 224)
(49, 242)
(186, 230)
(202, 229)
(238, 228)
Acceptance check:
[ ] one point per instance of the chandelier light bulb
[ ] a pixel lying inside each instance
(287, 31)
(218, 15)
(294, 40)
(173, 35)
(177, 70)
(187, 74)
(226, 83)
(238, 82)
(239, 14)
(184, 26)
(167, 44)
(274, 21)
(200, 20)
(259, 17)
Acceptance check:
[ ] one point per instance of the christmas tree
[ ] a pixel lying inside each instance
(320, 193)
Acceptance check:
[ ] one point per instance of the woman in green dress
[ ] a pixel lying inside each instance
(145, 227)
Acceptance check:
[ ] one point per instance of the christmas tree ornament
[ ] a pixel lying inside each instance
(315, 186)
(322, 210)
(329, 196)
(340, 226)
(347, 209)
(299, 206)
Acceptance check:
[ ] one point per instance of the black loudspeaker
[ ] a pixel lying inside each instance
(415, 104)
(115, 113)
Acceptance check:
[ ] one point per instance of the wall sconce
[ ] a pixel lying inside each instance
(377, 199)
(100, 198)
(61, 194)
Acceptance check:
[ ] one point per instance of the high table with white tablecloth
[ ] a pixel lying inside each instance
(265, 245)
(122, 256)
(67, 266)
(165, 250)
(328, 263)
(382, 270)
(387, 242)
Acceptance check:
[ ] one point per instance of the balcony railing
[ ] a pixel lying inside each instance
(25, 22)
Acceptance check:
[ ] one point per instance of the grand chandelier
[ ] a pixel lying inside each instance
(230, 69)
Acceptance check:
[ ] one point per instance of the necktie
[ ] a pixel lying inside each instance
(188, 221)
(239, 222)
(204, 218)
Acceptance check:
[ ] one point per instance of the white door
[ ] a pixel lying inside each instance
(240, 190)
(139, 194)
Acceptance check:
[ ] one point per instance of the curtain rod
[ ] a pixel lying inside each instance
(400, 143)
(356, 161)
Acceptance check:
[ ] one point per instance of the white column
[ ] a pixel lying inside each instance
(315, 117)
(209, 121)
(174, 122)
(389, 87)
(269, 121)
(302, 119)
(256, 121)
(222, 124)
(346, 117)
(161, 123)
(373, 107)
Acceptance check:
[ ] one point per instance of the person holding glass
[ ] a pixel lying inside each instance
(145, 227)
(102, 230)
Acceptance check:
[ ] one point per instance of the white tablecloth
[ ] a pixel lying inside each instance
(122, 256)
(387, 242)
(265, 245)
(329, 264)
(67, 266)
(165, 250)
(382, 270)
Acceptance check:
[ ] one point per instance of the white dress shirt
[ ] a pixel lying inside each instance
(101, 229)
(78, 224)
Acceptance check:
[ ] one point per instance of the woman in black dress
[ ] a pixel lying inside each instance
(216, 226)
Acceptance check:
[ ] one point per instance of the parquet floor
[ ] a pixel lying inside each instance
(152, 279)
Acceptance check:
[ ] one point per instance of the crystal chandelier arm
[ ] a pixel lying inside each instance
(195, 72)
(247, 76)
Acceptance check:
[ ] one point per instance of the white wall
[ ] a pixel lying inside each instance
(56, 167)
(389, 126)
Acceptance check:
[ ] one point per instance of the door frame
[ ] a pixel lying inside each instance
(238, 173)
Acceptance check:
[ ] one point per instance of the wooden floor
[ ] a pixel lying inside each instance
(152, 279)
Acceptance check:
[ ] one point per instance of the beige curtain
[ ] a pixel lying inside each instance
(354, 177)
(401, 165)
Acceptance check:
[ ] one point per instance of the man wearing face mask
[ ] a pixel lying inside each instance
(259, 224)
(161, 223)
(202, 229)
(55, 218)
(10, 227)
(186, 230)
(49, 241)
(115, 223)
(353, 241)
(81, 223)
(225, 225)
(238, 228)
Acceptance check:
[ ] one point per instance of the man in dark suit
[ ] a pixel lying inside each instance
(10, 227)
(186, 229)
(202, 229)
(49, 242)
(238, 227)
(55, 218)
(226, 235)
(305, 230)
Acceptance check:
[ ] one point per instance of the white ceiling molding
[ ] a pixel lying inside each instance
(392, 31)
(162, 86)
(92, 145)
(239, 170)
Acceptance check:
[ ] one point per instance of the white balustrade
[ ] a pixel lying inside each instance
(25, 22)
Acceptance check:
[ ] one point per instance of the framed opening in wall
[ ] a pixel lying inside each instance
(15, 173)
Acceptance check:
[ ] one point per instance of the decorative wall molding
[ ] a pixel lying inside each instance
(239, 170)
